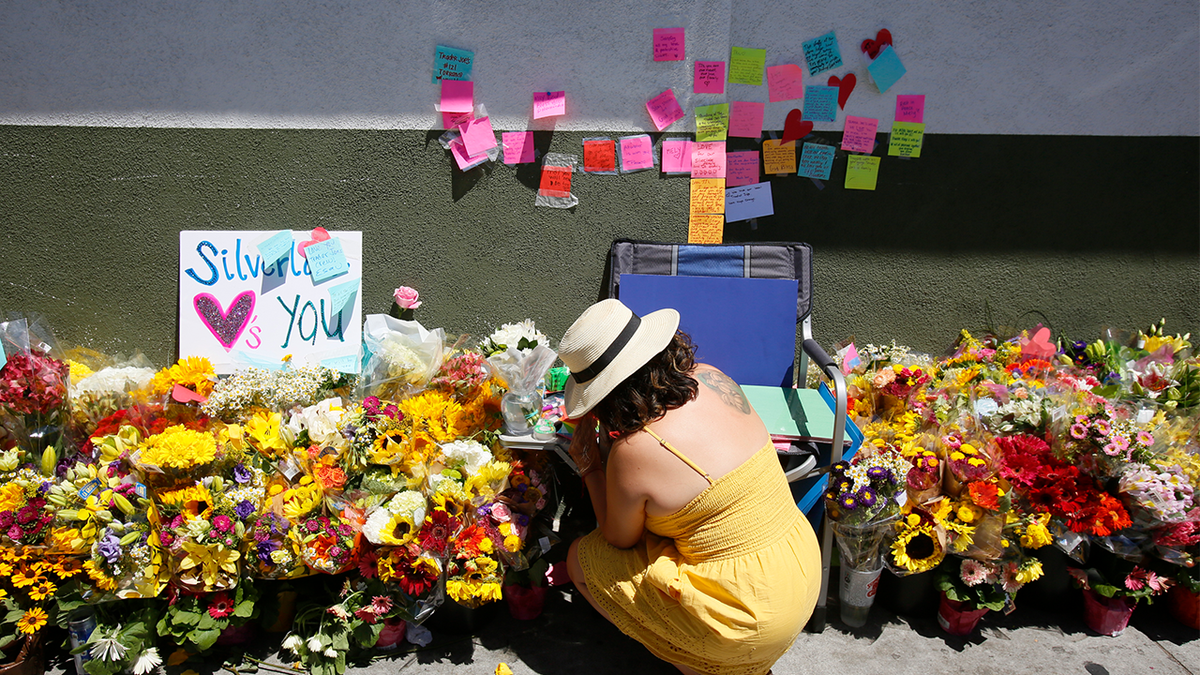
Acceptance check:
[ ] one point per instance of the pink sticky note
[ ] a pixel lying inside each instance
(859, 135)
(783, 82)
(518, 147)
(677, 155)
(910, 108)
(452, 120)
(709, 77)
(477, 136)
(741, 168)
(708, 159)
(664, 110)
(668, 44)
(464, 160)
(745, 119)
(549, 103)
(637, 153)
(458, 96)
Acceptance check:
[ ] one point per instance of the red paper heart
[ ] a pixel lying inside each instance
(845, 86)
(184, 395)
(318, 235)
(795, 128)
(872, 47)
(1039, 346)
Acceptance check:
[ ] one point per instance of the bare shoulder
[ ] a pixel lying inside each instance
(729, 392)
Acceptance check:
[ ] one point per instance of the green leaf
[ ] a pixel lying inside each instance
(207, 622)
(245, 609)
(204, 639)
(186, 618)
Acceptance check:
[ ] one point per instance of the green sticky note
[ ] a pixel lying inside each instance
(746, 65)
(906, 139)
(712, 122)
(862, 171)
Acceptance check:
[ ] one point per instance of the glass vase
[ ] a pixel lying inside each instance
(521, 411)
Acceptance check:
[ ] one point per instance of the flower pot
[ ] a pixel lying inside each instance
(525, 602)
(1184, 606)
(958, 618)
(1106, 616)
(236, 635)
(30, 660)
(392, 634)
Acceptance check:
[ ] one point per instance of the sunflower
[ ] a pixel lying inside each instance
(42, 590)
(399, 530)
(66, 568)
(98, 576)
(26, 577)
(447, 502)
(918, 549)
(33, 619)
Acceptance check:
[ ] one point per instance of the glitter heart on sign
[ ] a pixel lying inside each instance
(318, 234)
(845, 85)
(225, 325)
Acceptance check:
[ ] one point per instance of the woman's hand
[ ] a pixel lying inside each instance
(584, 450)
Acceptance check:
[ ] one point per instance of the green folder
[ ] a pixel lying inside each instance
(793, 413)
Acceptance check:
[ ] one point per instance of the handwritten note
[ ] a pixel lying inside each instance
(549, 104)
(862, 172)
(709, 77)
(910, 108)
(707, 195)
(779, 157)
(599, 156)
(859, 135)
(816, 161)
(886, 69)
(451, 120)
(464, 159)
(341, 294)
(746, 65)
(745, 119)
(820, 103)
(741, 168)
(452, 64)
(668, 44)
(664, 110)
(457, 96)
(518, 147)
(556, 181)
(677, 155)
(637, 153)
(784, 82)
(748, 201)
(706, 228)
(712, 122)
(708, 159)
(275, 246)
(477, 135)
(822, 53)
(906, 139)
(326, 259)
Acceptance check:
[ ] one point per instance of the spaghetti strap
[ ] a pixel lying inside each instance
(679, 454)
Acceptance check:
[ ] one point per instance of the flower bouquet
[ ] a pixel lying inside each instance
(24, 519)
(33, 389)
(28, 582)
(256, 390)
(325, 635)
(969, 588)
(198, 620)
(1108, 605)
(328, 544)
(519, 355)
(404, 356)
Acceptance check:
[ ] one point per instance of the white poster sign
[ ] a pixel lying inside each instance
(239, 309)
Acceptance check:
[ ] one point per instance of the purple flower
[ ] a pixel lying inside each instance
(840, 468)
(244, 509)
(879, 473)
(241, 474)
(866, 497)
(110, 547)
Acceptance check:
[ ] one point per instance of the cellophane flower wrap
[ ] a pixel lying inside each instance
(33, 390)
(404, 356)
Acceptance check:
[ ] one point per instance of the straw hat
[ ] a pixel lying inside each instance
(607, 344)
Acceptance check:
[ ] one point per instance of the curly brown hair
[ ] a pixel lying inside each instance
(663, 384)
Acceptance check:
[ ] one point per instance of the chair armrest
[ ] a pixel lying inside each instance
(831, 371)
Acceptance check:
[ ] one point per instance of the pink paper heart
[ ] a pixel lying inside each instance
(872, 47)
(794, 128)
(1039, 346)
(184, 395)
(845, 85)
(318, 234)
(225, 325)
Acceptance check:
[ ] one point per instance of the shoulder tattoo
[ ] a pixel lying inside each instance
(729, 391)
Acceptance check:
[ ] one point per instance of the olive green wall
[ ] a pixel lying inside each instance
(1087, 234)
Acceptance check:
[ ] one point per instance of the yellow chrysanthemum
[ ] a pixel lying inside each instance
(12, 496)
(300, 501)
(1036, 534)
(435, 413)
(513, 543)
(180, 448)
(1030, 570)
(78, 371)
(32, 621)
(194, 372)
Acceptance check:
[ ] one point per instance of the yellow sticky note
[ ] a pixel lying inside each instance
(712, 122)
(746, 65)
(706, 228)
(778, 157)
(906, 139)
(862, 171)
(708, 195)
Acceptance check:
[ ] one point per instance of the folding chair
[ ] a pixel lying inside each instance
(737, 302)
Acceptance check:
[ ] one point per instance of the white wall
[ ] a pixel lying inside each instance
(986, 67)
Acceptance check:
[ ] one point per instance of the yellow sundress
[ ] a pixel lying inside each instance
(723, 585)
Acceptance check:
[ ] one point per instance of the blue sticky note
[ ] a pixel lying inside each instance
(820, 103)
(342, 294)
(326, 259)
(816, 161)
(246, 359)
(452, 64)
(886, 69)
(3, 358)
(275, 247)
(822, 53)
(345, 364)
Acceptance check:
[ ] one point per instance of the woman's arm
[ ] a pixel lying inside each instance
(620, 513)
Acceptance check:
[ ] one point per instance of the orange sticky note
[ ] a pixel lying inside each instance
(779, 157)
(599, 156)
(707, 195)
(556, 181)
(706, 228)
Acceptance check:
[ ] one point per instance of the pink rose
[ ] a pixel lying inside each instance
(407, 297)
(501, 513)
